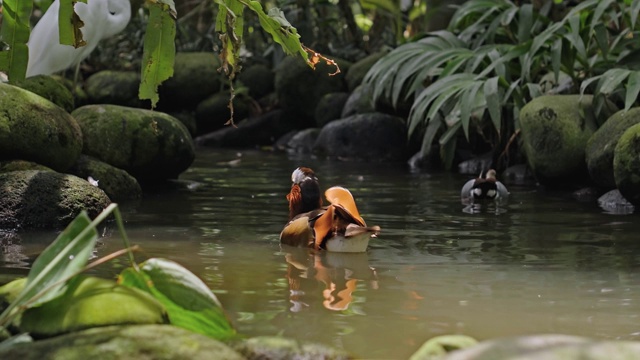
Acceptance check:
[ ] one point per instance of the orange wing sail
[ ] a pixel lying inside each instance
(342, 198)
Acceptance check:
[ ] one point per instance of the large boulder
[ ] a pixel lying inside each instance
(599, 151)
(626, 164)
(149, 145)
(299, 88)
(555, 130)
(49, 88)
(373, 136)
(46, 199)
(114, 87)
(124, 342)
(195, 77)
(116, 183)
(35, 129)
(613, 202)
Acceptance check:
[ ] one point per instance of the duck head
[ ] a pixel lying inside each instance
(304, 195)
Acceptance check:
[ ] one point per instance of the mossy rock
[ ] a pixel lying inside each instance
(49, 88)
(116, 183)
(195, 77)
(330, 107)
(259, 78)
(20, 165)
(600, 147)
(46, 199)
(33, 128)
(555, 130)
(626, 164)
(273, 347)
(114, 87)
(352, 138)
(157, 342)
(300, 88)
(89, 302)
(149, 145)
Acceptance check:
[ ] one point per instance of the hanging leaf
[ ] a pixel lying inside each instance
(70, 24)
(159, 49)
(15, 33)
(280, 30)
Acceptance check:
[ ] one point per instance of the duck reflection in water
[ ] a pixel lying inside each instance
(484, 190)
(334, 276)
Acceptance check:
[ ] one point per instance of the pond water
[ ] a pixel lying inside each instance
(542, 263)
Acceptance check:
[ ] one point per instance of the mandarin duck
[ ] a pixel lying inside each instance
(337, 227)
(487, 187)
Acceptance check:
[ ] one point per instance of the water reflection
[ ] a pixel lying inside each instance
(330, 277)
(547, 263)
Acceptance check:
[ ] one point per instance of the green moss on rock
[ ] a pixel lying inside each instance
(158, 342)
(114, 87)
(116, 183)
(149, 145)
(49, 88)
(600, 148)
(626, 164)
(555, 130)
(195, 77)
(19, 165)
(46, 199)
(35, 129)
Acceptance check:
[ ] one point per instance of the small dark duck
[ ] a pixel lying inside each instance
(485, 187)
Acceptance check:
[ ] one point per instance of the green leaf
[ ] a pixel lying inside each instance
(159, 50)
(556, 58)
(280, 29)
(633, 89)
(467, 103)
(492, 96)
(448, 145)
(69, 24)
(611, 80)
(189, 302)
(15, 33)
(66, 256)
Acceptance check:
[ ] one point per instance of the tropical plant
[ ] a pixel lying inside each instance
(188, 302)
(496, 56)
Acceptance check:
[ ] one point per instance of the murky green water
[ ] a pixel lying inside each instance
(543, 263)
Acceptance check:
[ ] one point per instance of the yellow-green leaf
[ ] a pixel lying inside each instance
(159, 50)
(15, 33)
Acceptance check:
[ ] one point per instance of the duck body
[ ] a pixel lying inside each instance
(337, 227)
(485, 187)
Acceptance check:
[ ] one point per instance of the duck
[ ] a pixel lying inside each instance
(484, 187)
(337, 227)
